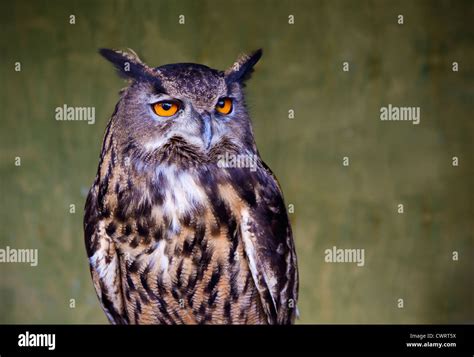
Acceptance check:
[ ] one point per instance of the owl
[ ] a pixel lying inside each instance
(184, 223)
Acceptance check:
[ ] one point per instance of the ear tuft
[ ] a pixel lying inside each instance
(242, 68)
(128, 64)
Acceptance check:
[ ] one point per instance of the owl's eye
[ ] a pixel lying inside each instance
(224, 106)
(165, 108)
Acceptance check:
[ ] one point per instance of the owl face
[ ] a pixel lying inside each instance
(191, 104)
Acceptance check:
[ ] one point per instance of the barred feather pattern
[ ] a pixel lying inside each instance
(174, 239)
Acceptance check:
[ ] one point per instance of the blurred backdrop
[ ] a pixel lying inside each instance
(408, 256)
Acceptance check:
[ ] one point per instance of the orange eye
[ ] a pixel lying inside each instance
(224, 106)
(166, 108)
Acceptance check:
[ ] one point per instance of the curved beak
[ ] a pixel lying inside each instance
(206, 130)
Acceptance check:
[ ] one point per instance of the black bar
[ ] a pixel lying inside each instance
(105, 339)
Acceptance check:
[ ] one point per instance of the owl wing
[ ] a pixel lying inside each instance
(104, 262)
(269, 247)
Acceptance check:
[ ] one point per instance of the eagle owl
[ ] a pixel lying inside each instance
(179, 229)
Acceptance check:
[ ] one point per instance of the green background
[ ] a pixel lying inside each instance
(407, 256)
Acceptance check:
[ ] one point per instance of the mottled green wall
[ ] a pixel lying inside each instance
(407, 255)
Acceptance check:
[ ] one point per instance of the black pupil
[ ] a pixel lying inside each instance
(166, 106)
(221, 103)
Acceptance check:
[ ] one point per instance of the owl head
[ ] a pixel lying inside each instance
(184, 111)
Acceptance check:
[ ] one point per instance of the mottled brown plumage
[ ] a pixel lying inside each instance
(172, 235)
